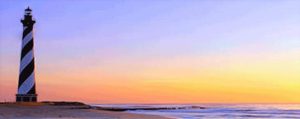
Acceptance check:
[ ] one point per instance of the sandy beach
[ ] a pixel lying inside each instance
(50, 111)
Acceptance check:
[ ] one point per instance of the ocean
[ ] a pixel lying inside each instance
(214, 111)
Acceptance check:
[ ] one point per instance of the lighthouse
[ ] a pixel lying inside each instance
(26, 86)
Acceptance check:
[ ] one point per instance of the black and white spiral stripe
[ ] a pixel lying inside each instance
(27, 76)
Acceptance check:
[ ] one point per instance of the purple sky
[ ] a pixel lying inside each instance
(93, 32)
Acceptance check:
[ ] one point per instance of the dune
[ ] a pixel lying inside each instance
(63, 110)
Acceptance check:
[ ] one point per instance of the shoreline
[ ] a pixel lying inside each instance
(64, 110)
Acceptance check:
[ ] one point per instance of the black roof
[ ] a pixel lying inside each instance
(28, 9)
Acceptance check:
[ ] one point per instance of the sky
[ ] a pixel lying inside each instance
(156, 51)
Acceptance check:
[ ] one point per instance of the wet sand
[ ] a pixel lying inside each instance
(50, 111)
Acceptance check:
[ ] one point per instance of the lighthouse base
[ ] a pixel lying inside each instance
(26, 97)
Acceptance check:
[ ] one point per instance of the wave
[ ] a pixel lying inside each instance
(213, 111)
(140, 107)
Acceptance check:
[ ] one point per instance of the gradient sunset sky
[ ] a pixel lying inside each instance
(157, 51)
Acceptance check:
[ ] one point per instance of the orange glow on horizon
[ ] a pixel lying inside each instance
(193, 80)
